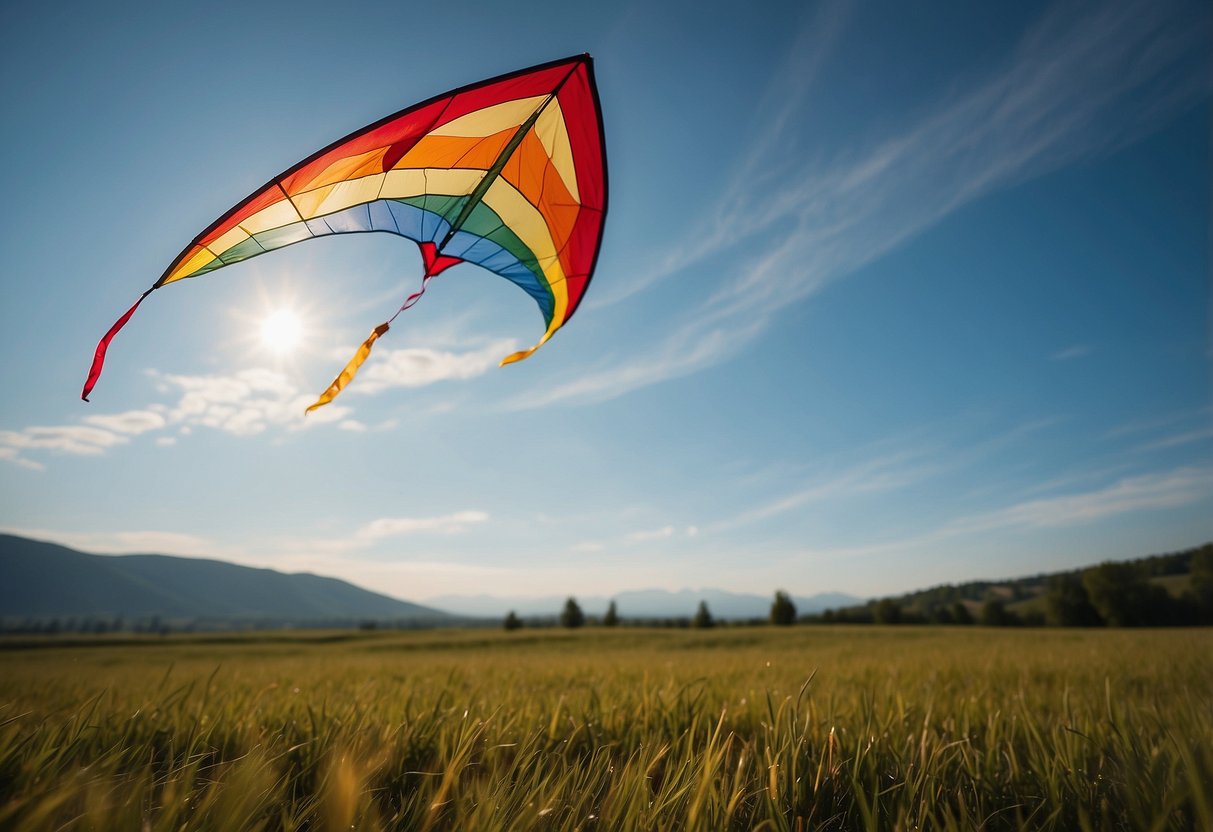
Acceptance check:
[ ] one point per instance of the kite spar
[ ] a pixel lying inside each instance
(508, 174)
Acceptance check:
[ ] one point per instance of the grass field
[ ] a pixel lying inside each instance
(749, 728)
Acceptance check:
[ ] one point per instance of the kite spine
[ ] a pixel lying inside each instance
(434, 262)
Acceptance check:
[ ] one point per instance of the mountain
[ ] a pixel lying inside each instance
(644, 603)
(44, 581)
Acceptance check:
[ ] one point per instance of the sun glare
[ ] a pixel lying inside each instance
(281, 331)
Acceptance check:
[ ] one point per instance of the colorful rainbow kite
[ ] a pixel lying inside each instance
(509, 174)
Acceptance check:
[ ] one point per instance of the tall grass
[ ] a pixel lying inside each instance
(788, 729)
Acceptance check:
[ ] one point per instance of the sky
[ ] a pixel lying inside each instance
(889, 295)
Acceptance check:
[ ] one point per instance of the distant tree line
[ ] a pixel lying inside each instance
(156, 625)
(571, 616)
(1113, 594)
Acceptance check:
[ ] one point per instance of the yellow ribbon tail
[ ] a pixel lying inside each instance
(519, 356)
(351, 370)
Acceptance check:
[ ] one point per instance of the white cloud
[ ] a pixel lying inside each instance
(1154, 423)
(882, 473)
(416, 367)
(244, 403)
(123, 542)
(1071, 353)
(9, 454)
(247, 402)
(445, 524)
(686, 351)
(1175, 440)
(1060, 98)
(69, 439)
(1170, 489)
(132, 422)
(664, 533)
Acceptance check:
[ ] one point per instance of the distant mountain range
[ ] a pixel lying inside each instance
(44, 581)
(645, 603)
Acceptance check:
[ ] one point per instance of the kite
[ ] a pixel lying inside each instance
(508, 174)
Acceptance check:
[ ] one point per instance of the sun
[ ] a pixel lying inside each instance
(281, 331)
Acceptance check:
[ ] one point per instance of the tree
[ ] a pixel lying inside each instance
(783, 611)
(994, 613)
(703, 619)
(1122, 596)
(611, 619)
(571, 616)
(1202, 582)
(960, 612)
(512, 622)
(887, 611)
(1067, 603)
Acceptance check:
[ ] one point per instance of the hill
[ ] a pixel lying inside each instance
(43, 581)
(1151, 580)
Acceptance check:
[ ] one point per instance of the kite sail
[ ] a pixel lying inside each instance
(508, 174)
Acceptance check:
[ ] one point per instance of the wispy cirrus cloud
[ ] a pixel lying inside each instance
(454, 523)
(963, 534)
(1159, 490)
(1177, 439)
(1072, 353)
(880, 474)
(1059, 98)
(663, 533)
(133, 422)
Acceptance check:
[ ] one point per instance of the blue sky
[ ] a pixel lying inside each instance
(887, 297)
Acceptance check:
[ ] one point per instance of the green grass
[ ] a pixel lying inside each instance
(790, 729)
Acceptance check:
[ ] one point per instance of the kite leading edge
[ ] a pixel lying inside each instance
(508, 174)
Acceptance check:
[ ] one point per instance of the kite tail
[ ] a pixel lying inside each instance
(351, 369)
(519, 356)
(413, 298)
(94, 371)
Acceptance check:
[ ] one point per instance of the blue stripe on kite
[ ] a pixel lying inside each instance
(480, 251)
(426, 227)
(433, 226)
(381, 217)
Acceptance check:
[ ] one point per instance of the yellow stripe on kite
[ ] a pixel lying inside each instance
(490, 120)
(191, 265)
(551, 130)
(330, 199)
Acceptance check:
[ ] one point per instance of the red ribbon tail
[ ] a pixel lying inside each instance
(94, 372)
